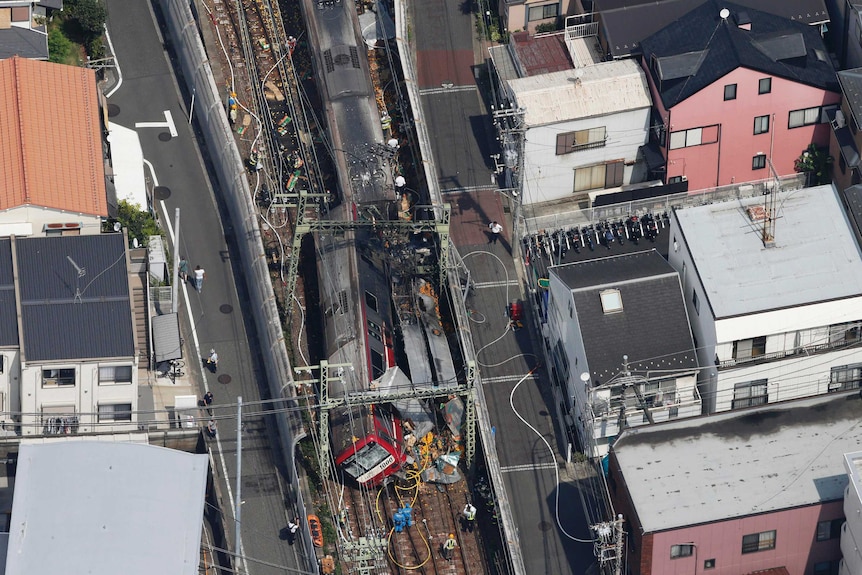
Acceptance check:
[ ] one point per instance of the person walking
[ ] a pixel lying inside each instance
(208, 401)
(212, 361)
(292, 528)
(184, 269)
(200, 275)
(469, 514)
(449, 547)
(495, 228)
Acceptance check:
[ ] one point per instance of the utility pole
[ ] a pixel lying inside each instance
(510, 133)
(175, 277)
(609, 545)
(238, 502)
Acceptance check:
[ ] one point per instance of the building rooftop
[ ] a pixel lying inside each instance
(739, 463)
(815, 257)
(65, 316)
(851, 89)
(652, 302)
(65, 170)
(700, 47)
(588, 92)
(114, 504)
(8, 309)
(627, 22)
(537, 55)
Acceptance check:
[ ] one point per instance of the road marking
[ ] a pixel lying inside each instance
(504, 379)
(447, 88)
(116, 65)
(468, 189)
(527, 467)
(168, 123)
(481, 285)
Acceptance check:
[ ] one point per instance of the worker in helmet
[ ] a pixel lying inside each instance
(449, 547)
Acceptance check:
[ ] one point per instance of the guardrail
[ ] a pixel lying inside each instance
(211, 119)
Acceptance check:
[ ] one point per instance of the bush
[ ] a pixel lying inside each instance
(140, 223)
(59, 47)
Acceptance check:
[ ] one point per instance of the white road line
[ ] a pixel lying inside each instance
(481, 285)
(168, 123)
(116, 65)
(444, 90)
(527, 467)
(468, 189)
(195, 339)
(504, 379)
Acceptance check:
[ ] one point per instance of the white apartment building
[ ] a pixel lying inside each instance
(775, 320)
(583, 129)
(601, 310)
(851, 528)
(68, 361)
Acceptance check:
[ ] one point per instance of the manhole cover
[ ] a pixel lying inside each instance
(544, 526)
(113, 110)
(224, 379)
(225, 308)
(162, 192)
(165, 136)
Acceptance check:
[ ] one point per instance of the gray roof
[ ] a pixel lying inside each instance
(22, 42)
(116, 507)
(851, 89)
(8, 313)
(626, 22)
(55, 326)
(815, 258)
(652, 303)
(774, 45)
(745, 462)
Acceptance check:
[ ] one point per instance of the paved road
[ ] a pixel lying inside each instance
(449, 58)
(214, 318)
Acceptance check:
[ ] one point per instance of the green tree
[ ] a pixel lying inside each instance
(90, 15)
(59, 47)
(815, 163)
(140, 223)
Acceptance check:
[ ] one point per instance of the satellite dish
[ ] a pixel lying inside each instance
(118, 226)
(724, 13)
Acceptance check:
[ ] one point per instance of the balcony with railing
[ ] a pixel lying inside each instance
(847, 341)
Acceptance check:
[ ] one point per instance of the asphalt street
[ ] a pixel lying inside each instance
(214, 318)
(544, 495)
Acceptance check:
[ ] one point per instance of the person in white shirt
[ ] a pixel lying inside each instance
(200, 274)
(495, 228)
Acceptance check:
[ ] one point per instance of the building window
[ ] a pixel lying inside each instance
(709, 564)
(2, 363)
(841, 333)
(59, 420)
(115, 374)
(677, 551)
(761, 125)
(805, 117)
(829, 529)
(599, 176)
(764, 86)
(695, 302)
(115, 412)
(543, 12)
(674, 179)
(758, 162)
(581, 140)
(371, 301)
(377, 365)
(827, 568)
(612, 301)
(749, 394)
(693, 137)
(749, 348)
(845, 377)
(758, 542)
(730, 92)
(58, 377)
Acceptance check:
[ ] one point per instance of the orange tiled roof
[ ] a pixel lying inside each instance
(50, 149)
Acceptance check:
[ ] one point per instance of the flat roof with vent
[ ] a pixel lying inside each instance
(815, 257)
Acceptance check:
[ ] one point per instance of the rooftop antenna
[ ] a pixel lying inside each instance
(81, 273)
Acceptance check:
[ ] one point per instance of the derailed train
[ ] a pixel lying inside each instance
(362, 272)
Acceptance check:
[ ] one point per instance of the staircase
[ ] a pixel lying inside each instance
(138, 283)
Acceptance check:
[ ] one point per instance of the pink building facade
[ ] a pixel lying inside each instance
(735, 91)
(727, 133)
